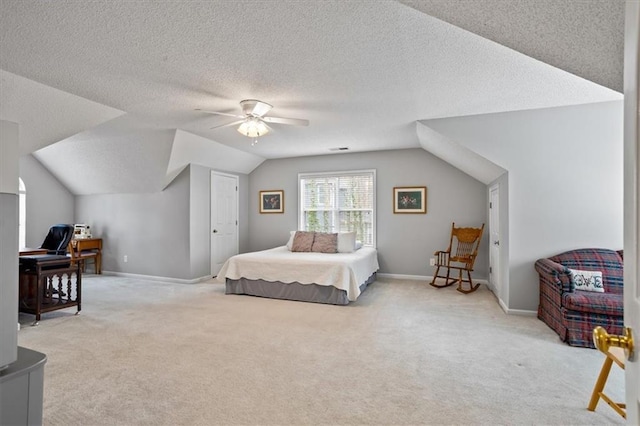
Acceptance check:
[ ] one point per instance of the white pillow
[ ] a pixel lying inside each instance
(346, 242)
(358, 245)
(290, 242)
(587, 280)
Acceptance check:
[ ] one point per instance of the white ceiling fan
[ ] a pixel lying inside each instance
(253, 121)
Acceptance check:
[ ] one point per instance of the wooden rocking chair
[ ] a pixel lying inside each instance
(461, 255)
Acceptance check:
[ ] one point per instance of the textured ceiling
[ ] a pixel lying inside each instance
(583, 37)
(362, 72)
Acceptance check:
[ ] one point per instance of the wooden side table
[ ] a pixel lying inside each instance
(92, 245)
(46, 284)
(613, 355)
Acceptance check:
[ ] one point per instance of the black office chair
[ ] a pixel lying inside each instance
(58, 239)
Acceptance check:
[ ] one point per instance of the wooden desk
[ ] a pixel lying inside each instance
(26, 251)
(86, 244)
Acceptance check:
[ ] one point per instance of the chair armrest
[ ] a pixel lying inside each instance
(472, 261)
(554, 274)
(442, 257)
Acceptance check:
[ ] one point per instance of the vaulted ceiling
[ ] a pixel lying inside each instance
(112, 86)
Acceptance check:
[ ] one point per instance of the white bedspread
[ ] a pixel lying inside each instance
(346, 271)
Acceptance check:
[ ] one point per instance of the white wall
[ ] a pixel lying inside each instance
(565, 181)
(405, 242)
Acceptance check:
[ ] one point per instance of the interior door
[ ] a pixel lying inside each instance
(224, 219)
(494, 240)
(631, 199)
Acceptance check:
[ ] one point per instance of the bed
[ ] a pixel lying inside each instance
(278, 273)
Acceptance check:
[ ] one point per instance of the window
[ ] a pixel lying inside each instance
(339, 202)
(22, 214)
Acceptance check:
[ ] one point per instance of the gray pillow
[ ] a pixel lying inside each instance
(302, 241)
(325, 243)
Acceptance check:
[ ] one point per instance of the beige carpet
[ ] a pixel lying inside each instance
(151, 353)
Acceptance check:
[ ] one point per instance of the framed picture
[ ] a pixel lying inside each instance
(410, 199)
(272, 201)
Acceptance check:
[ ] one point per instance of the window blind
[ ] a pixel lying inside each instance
(339, 202)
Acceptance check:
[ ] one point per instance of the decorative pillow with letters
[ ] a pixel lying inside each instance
(587, 280)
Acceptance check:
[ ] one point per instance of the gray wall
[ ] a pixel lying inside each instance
(565, 181)
(48, 201)
(405, 242)
(8, 242)
(151, 229)
(199, 218)
(243, 214)
(163, 234)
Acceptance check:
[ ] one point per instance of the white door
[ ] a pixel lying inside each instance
(224, 219)
(494, 240)
(631, 199)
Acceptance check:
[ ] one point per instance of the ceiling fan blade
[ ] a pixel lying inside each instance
(292, 121)
(220, 113)
(233, 123)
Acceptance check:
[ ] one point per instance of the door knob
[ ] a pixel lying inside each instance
(215, 231)
(604, 341)
(496, 243)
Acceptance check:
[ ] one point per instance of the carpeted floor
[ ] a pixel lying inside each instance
(144, 352)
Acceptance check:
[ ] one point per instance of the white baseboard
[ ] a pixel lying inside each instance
(157, 278)
(406, 277)
(421, 278)
(523, 312)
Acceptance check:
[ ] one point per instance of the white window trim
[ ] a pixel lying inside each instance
(340, 173)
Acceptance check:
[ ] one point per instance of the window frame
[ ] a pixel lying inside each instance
(340, 173)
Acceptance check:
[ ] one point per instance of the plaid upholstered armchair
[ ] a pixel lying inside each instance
(569, 306)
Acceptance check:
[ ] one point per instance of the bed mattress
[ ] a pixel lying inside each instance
(347, 272)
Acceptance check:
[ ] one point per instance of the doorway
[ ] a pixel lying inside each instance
(494, 240)
(224, 219)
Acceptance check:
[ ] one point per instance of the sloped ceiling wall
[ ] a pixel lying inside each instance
(193, 149)
(47, 115)
(458, 155)
(121, 157)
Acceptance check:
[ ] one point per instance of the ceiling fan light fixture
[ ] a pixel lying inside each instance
(255, 107)
(253, 128)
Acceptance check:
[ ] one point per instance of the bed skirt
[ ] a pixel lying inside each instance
(292, 291)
